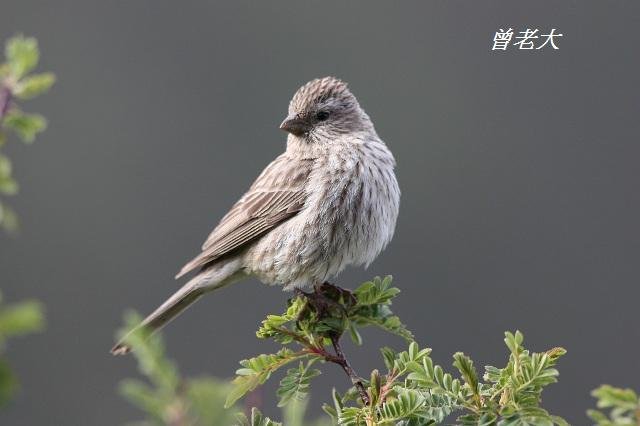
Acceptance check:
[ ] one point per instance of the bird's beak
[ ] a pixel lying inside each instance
(295, 125)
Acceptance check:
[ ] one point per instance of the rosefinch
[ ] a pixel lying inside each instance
(330, 200)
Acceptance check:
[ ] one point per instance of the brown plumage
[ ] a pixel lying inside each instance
(275, 196)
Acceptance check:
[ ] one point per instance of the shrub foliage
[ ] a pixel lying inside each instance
(408, 389)
(17, 83)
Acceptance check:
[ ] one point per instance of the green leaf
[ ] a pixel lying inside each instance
(372, 308)
(375, 386)
(22, 55)
(411, 359)
(206, 397)
(294, 413)
(148, 349)
(388, 356)
(8, 186)
(294, 386)
(8, 219)
(609, 396)
(144, 397)
(8, 382)
(514, 341)
(21, 318)
(599, 417)
(27, 126)
(5, 70)
(408, 405)
(5, 167)
(257, 370)
(464, 364)
(169, 398)
(34, 85)
(382, 317)
(438, 407)
(16, 319)
(275, 326)
(352, 416)
(257, 419)
(624, 405)
(376, 292)
(355, 334)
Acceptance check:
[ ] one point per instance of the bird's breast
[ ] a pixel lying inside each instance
(348, 218)
(354, 205)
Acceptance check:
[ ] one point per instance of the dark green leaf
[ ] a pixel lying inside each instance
(294, 386)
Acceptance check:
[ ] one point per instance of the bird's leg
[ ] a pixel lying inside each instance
(314, 301)
(326, 296)
(318, 301)
(341, 298)
(299, 292)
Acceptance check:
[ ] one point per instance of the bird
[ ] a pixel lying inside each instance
(330, 200)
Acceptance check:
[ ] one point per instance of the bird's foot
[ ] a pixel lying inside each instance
(336, 294)
(327, 300)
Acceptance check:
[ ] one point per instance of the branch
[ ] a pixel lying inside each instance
(341, 360)
(321, 299)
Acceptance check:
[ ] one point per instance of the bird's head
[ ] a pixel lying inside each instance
(324, 108)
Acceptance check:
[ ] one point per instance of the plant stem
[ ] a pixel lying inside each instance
(341, 360)
(5, 100)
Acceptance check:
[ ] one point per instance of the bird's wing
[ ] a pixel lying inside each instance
(277, 195)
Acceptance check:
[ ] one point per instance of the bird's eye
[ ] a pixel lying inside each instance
(322, 115)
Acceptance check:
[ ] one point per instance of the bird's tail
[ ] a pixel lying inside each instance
(189, 293)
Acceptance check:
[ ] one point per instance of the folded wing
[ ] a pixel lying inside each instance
(277, 195)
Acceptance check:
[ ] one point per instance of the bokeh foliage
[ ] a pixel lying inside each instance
(17, 83)
(623, 406)
(166, 398)
(15, 320)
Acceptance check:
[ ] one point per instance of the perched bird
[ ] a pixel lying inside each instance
(329, 201)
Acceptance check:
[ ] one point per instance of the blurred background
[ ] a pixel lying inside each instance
(519, 174)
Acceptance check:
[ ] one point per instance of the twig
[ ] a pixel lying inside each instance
(5, 100)
(341, 360)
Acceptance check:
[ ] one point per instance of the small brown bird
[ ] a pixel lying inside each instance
(329, 201)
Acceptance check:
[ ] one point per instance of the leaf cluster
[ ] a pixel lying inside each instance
(17, 83)
(16, 320)
(623, 406)
(412, 390)
(312, 323)
(415, 391)
(294, 415)
(256, 419)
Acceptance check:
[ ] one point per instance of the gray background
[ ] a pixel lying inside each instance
(519, 173)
